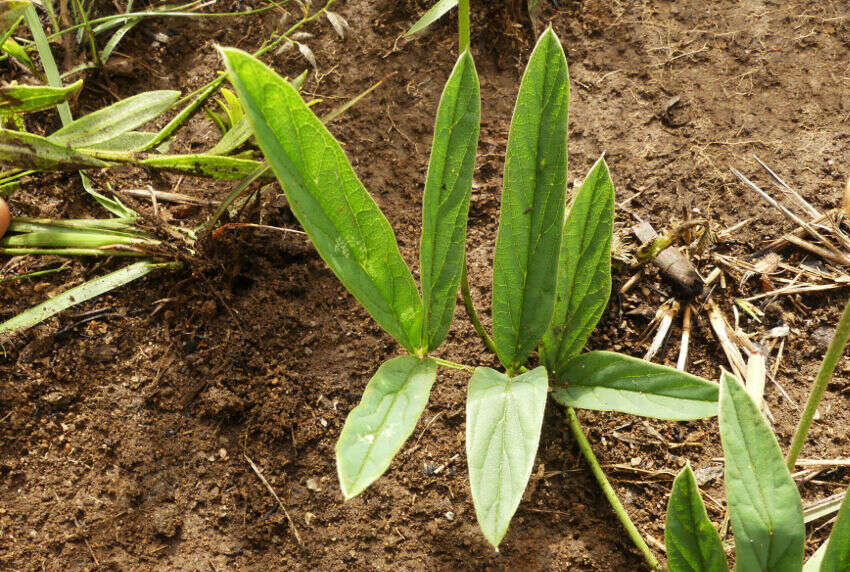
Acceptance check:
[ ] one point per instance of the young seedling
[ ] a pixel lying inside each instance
(551, 278)
(763, 500)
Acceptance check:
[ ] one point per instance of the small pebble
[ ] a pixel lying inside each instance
(450, 515)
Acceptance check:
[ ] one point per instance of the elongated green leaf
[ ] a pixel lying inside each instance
(30, 98)
(446, 199)
(126, 142)
(504, 418)
(110, 122)
(377, 428)
(766, 511)
(584, 271)
(814, 562)
(83, 292)
(346, 226)
(27, 151)
(216, 166)
(10, 12)
(436, 12)
(70, 238)
(532, 218)
(693, 544)
(237, 135)
(836, 556)
(607, 381)
(15, 50)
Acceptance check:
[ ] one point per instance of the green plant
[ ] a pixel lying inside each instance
(551, 278)
(763, 500)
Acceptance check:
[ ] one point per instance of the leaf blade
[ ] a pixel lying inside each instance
(836, 557)
(27, 151)
(204, 165)
(532, 217)
(504, 418)
(693, 544)
(32, 98)
(584, 270)
(608, 381)
(437, 11)
(348, 229)
(765, 506)
(387, 414)
(110, 122)
(446, 198)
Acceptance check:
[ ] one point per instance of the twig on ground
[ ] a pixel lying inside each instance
(682, 362)
(277, 498)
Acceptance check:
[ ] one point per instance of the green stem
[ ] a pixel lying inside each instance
(830, 360)
(609, 491)
(452, 364)
(89, 32)
(70, 252)
(463, 24)
(473, 315)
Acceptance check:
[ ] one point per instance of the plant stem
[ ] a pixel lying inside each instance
(452, 364)
(608, 490)
(463, 25)
(830, 360)
(473, 315)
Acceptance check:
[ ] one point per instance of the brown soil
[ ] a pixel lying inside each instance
(124, 439)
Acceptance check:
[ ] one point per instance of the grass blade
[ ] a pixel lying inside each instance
(346, 226)
(607, 381)
(82, 293)
(765, 506)
(504, 418)
(436, 12)
(376, 429)
(110, 122)
(693, 544)
(31, 98)
(584, 271)
(446, 199)
(532, 218)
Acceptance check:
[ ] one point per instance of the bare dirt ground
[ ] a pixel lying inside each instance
(123, 441)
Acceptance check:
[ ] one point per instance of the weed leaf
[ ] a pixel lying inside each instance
(532, 218)
(607, 381)
(584, 271)
(836, 556)
(126, 142)
(215, 166)
(765, 506)
(76, 295)
(348, 229)
(693, 544)
(446, 199)
(504, 418)
(31, 98)
(436, 12)
(110, 122)
(27, 151)
(377, 428)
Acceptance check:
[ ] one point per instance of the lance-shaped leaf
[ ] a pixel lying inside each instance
(446, 199)
(836, 555)
(584, 271)
(765, 506)
(27, 151)
(437, 11)
(376, 429)
(693, 544)
(532, 218)
(504, 418)
(346, 226)
(126, 142)
(110, 122)
(31, 98)
(608, 381)
(215, 166)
